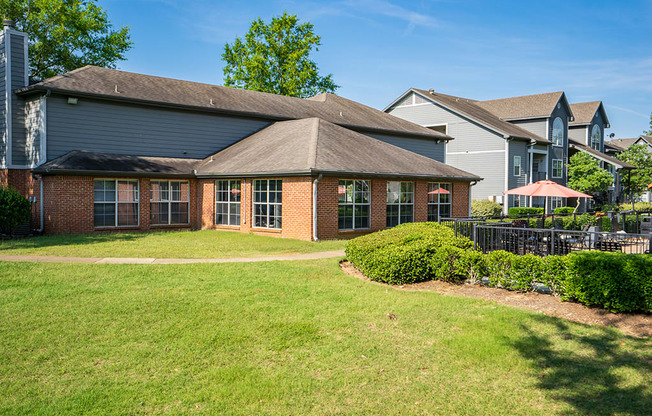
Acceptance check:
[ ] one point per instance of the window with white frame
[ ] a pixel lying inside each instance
(556, 202)
(439, 200)
(227, 202)
(519, 200)
(268, 194)
(354, 202)
(400, 203)
(596, 135)
(115, 203)
(557, 168)
(517, 166)
(558, 132)
(169, 202)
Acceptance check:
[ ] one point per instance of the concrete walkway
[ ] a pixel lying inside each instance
(136, 260)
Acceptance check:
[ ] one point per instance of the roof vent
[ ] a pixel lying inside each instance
(116, 89)
(431, 91)
(9, 23)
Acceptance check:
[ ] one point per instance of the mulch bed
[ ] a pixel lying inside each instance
(639, 325)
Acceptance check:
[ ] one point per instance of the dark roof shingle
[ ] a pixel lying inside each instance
(127, 86)
(526, 106)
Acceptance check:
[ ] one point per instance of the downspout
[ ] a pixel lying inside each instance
(314, 207)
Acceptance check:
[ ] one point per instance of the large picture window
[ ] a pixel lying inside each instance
(268, 195)
(169, 202)
(227, 202)
(354, 204)
(400, 203)
(595, 137)
(115, 203)
(557, 168)
(439, 201)
(558, 132)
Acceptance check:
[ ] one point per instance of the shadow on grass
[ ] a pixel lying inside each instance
(69, 240)
(601, 373)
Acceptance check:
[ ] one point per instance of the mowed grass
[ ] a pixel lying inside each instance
(295, 338)
(179, 244)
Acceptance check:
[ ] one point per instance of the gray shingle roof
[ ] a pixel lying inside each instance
(584, 112)
(599, 155)
(526, 106)
(313, 146)
(623, 144)
(472, 110)
(127, 86)
(82, 162)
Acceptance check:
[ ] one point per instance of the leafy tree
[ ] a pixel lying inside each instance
(275, 58)
(585, 175)
(649, 132)
(66, 34)
(639, 156)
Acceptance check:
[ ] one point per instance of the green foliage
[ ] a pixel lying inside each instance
(408, 253)
(15, 209)
(486, 208)
(517, 211)
(649, 132)
(569, 223)
(66, 35)
(585, 174)
(639, 207)
(564, 210)
(609, 207)
(639, 156)
(615, 281)
(275, 58)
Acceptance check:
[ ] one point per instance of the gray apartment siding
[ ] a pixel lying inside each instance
(34, 128)
(3, 103)
(518, 148)
(108, 127)
(578, 133)
(18, 137)
(558, 152)
(599, 121)
(537, 126)
(425, 147)
(490, 166)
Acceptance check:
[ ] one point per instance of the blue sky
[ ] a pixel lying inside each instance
(377, 49)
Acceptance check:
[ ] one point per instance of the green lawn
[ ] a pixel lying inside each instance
(180, 244)
(293, 338)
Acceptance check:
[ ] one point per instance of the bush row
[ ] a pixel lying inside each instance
(411, 253)
(516, 211)
(639, 207)
(564, 210)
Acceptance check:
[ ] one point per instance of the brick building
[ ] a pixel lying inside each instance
(101, 150)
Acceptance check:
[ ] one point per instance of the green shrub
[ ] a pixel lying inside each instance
(615, 281)
(15, 209)
(564, 210)
(570, 223)
(486, 208)
(404, 254)
(638, 207)
(555, 273)
(517, 211)
(609, 207)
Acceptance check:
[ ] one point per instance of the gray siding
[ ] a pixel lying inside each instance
(490, 166)
(425, 147)
(558, 152)
(18, 137)
(578, 133)
(3, 102)
(147, 131)
(34, 126)
(537, 126)
(517, 148)
(599, 121)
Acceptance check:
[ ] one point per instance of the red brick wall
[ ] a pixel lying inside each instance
(69, 207)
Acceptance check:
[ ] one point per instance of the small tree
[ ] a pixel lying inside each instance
(66, 34)
(275, 58)
(649, 132)
(15, 209)
(637, 181)
(585, 175)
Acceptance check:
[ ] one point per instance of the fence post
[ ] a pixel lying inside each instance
(552, 240)
(475, 236)
(649, 250)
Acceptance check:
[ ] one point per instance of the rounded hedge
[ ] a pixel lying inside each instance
(15, 209)
(486, 208)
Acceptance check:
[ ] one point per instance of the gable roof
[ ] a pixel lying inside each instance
(314, 146)
(584, 113)
(471, 110)
(117, 85)
(599, 155)
(526, 106)
(623, 144)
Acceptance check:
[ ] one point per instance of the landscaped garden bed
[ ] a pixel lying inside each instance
(413, 253)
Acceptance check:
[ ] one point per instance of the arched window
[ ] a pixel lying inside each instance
(558, 132)
(595, 137)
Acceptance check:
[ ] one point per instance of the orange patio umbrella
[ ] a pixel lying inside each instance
(546, 189)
